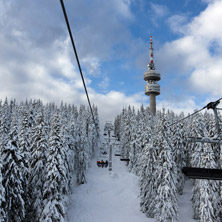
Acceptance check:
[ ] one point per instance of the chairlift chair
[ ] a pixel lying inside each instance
(206, 173)
(117, 152)
(125, 159)
(202, 173)
(122, 158)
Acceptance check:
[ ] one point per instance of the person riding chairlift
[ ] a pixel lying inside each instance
(98, 163)
(102, 163)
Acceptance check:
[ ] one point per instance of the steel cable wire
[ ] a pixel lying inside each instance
(79, 66)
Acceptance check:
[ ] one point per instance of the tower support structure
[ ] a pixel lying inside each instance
(153, 103)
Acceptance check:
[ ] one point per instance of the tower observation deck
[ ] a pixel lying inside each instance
(151, 76)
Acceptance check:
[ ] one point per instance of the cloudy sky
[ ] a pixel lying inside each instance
(112, 40)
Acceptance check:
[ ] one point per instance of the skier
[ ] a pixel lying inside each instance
(102, 163)
(106, 163)
(98, 163)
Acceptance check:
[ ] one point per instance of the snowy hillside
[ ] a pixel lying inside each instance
(158, 150)
(107, 196)
(113, 196)
(46, 151)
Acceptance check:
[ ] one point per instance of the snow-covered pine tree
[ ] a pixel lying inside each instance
(39, 147)
(220, 184)
(47, 118)
(2, 194)
(13, 205)
(209, 207)
(197, 130)
(212, 132)
(141, 140)
(66, 141)
(117, 127)
(196, 199)
(89, 127)
(148, 182)
(94, 131)
(125, 134)
(55, 177)
(166, 199)
(132, 153)
(148, 185)
(82, 147)
(72, 144)
(179, 145)
(32, 113)
(24, 148)
(129, 132)
(5, 124)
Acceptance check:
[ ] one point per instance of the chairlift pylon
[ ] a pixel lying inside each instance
(206, 173)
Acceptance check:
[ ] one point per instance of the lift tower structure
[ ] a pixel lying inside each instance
(151, 76)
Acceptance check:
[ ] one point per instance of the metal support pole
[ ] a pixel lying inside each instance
(110, 153)
(110, 157)
(107, 129)
(217, 121)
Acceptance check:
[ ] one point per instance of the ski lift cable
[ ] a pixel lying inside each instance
(178, 121)
(79, 66)
(208, 106)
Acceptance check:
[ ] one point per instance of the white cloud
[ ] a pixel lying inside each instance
(208, 79)
(209, 1)
(92, 64)
(37, 61)
(30, 71)
(123, 7)
(177, 22)
(104, 84)
(110, 105)
(186, 105)
(198, 51)
(208, 24)
(159, 10)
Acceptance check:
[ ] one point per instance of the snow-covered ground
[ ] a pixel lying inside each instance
(112, 196)
(185, 204)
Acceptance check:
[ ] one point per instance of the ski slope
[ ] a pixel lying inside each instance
(112, 196)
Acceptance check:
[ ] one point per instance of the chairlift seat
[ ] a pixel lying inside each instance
(202, 173)
(124, 159)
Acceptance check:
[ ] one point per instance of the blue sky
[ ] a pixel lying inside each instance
(112, 39)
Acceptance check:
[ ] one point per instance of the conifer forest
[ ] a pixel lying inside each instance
(157, 154)
(47, 148)
(42, 147)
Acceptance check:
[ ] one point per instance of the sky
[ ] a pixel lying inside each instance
(112, 40)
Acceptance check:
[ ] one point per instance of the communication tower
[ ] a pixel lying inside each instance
(151, 76)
